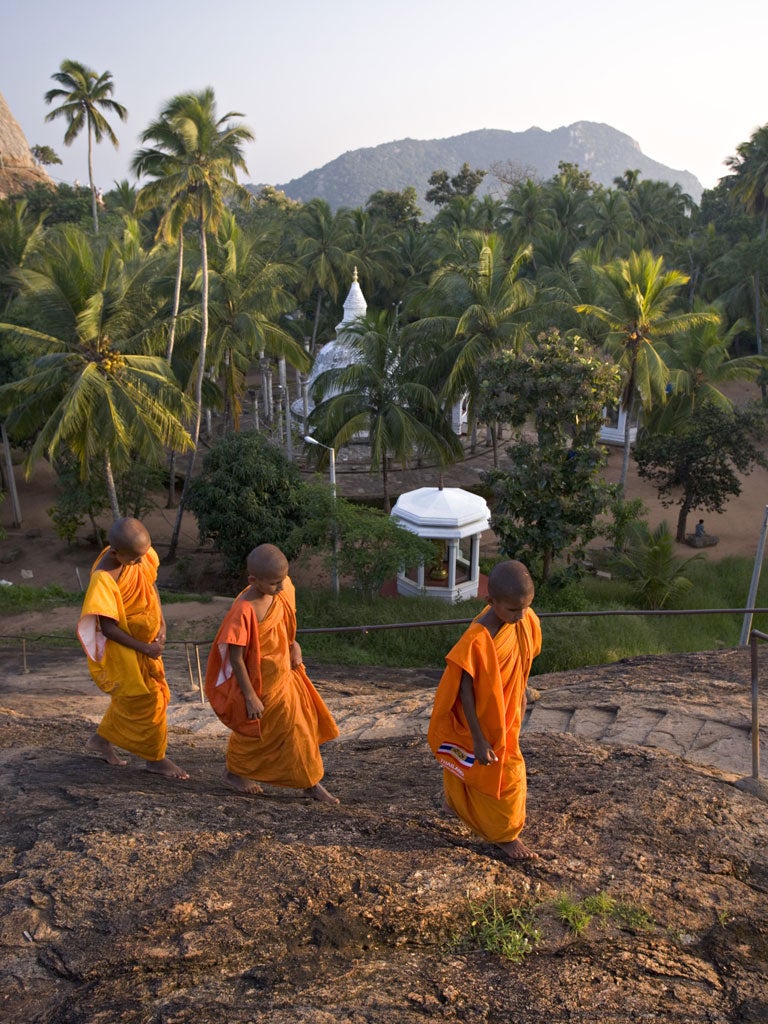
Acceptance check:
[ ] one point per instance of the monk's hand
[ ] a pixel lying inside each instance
(296, 656)
(155, 649)
(484, 753)
(254, 707)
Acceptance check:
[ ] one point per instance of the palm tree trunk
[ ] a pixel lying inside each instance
(174, 542)
(111, 489)
(169, 356)
(316, 322)
(758, 309)
(546, 568)
(94, 209)
(627, 445)
(385, 484)
(176, 298)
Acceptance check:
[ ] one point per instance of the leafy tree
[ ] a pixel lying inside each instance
(637, 312)
(696, 466)
(79, 499)
(551, 497)
(624, 515)
(249, 493)
(373, 547)
(92, 389)
(396, 209)
(270, 197)
(76, 500)
(60, 205)
(657, 576)
(444, 187)
(379, 395)
(85, 94)
(45, 155)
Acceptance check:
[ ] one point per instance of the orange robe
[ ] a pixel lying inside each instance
(490, 799)
(135, 720)
(295, 721)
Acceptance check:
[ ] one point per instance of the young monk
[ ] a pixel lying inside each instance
(123, 632)
(478, 711)
(256, 683)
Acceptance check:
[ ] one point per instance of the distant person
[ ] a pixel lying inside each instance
(122, 630)
(699, 530)
(100, 198)
(478, 712)
(256, 683)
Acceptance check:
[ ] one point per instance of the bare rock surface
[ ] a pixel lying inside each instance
(130, 899)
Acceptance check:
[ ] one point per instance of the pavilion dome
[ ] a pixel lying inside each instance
(442, 513)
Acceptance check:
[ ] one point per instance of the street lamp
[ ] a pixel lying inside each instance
(334, 564)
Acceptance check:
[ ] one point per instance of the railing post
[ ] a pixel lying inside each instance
(755, 711)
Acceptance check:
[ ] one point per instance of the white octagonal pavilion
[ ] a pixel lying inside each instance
(454, 519)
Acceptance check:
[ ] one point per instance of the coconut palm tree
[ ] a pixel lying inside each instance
(194, 159)
(609, 221)
(379, 394)
(249, 294)
(85, 94)
(698, 360)
(324, 242)
(637, 311)
(750, 166)
(93, 389)
(21, 234)
(476, 305)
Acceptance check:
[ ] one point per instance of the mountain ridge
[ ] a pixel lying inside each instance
(351, 178)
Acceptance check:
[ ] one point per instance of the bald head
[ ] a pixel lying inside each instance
(510, 580)
(267, 561)
(129, 537)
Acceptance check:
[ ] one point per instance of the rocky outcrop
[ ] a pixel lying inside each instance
(18, 169)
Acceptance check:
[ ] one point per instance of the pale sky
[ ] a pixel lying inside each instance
(316, 78)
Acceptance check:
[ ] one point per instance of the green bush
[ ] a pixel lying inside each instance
(249, 493)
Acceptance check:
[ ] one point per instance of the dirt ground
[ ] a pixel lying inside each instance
(129, 899)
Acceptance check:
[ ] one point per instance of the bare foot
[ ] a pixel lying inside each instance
(98, 745)
(241, 785)
(320, 793)
(167, 769)
(447, 810)
(516, 851)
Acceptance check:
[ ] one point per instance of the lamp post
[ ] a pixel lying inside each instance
(334, 564)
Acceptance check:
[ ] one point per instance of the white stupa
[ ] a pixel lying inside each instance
(337, 353)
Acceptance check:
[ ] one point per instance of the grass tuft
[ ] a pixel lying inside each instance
(510, 933)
